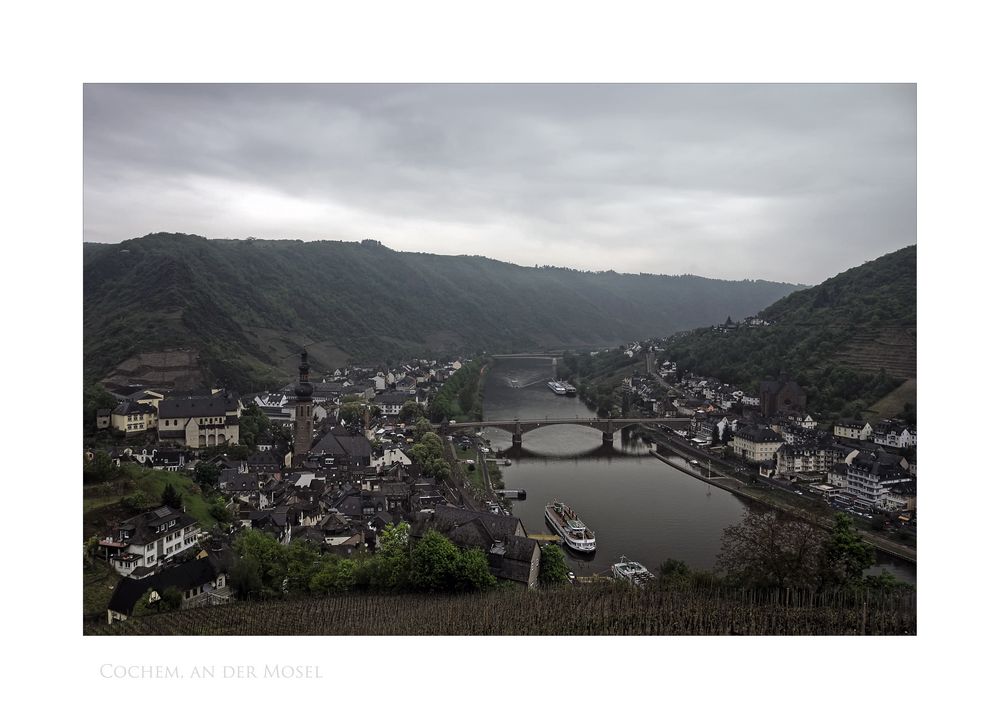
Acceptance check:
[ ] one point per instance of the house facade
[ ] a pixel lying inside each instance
(391, 402)
(756, 444)
(133, 417)
(147, 539)
(872, 476)
(891, 433)
(850, 429)
(201, 421)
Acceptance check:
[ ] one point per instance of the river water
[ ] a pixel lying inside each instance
(636, 505)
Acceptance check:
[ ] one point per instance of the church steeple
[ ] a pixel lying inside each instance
(303, 411)
(304, 388)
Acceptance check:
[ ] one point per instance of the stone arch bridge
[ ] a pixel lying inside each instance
(517, 427)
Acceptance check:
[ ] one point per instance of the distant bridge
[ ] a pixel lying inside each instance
(607, 427)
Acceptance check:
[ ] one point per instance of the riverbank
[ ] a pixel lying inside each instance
(775, 501)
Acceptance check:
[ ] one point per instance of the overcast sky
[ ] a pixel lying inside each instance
(780, 182)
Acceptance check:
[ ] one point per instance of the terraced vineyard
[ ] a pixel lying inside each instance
(894, 349)
(603, 608)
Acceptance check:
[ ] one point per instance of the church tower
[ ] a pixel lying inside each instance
(303, 412)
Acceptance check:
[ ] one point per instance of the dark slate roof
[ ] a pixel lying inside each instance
(879, 464)
(520, 548)
(499, 527)
(182, 576)
(145, 524)
(236, 482)
(387, 398)
(265, 459)
(396, 490)
(758, 434)
(473, 533)
(128, 407)
(309, 534)
(178, 407)
(513, 560)
(340, 444)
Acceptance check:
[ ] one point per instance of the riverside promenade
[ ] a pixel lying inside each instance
(772, 498)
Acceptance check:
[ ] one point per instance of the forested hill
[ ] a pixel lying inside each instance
(246, 305)
(848, 341)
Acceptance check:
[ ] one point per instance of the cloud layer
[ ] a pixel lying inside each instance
(782, 182)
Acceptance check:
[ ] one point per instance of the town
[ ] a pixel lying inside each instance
(330, 463)
(335, 466)
(866, 467)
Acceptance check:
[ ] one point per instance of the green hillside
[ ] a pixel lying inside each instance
(246, 306)
(848, 341)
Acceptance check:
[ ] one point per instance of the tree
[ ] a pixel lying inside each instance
(410, 411)
(137, 500)
(100, 468)
(885, 582)
(335, 576)
(352, 414)
(302, 561)
(846, 554)
(552, 569)
(674, 573)
(433, 563)
(95, 398)
(245, 578)
(253, 424)
(171, 598)
(206, 474)
(171, 497)
(220, 512)
(90, 548)
(422, 427)
(392, 566)
(269, 556)
(766, 550)
(472, 571)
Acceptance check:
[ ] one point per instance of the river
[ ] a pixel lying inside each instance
(637, 505)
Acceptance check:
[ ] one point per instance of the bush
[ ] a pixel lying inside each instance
(552, 567)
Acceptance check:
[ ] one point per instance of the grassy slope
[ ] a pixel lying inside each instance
(892, 404)
(102, 503)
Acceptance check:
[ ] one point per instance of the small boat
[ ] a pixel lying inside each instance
(556, 387)
(573, 531)
(630, 571)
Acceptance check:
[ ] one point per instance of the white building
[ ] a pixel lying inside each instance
(850, 429)
(149, 538)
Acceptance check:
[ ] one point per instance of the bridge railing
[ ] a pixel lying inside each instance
(524, 420)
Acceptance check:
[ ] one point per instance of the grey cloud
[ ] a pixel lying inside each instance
(787, 182)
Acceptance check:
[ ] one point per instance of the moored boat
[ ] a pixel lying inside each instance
(570, 527)
(569, 389)
(630, 571)
(556, 387)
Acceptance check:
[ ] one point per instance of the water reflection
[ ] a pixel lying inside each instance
(637, 505)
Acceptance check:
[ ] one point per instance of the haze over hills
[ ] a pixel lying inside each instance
(852, 336)
(247, 306)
